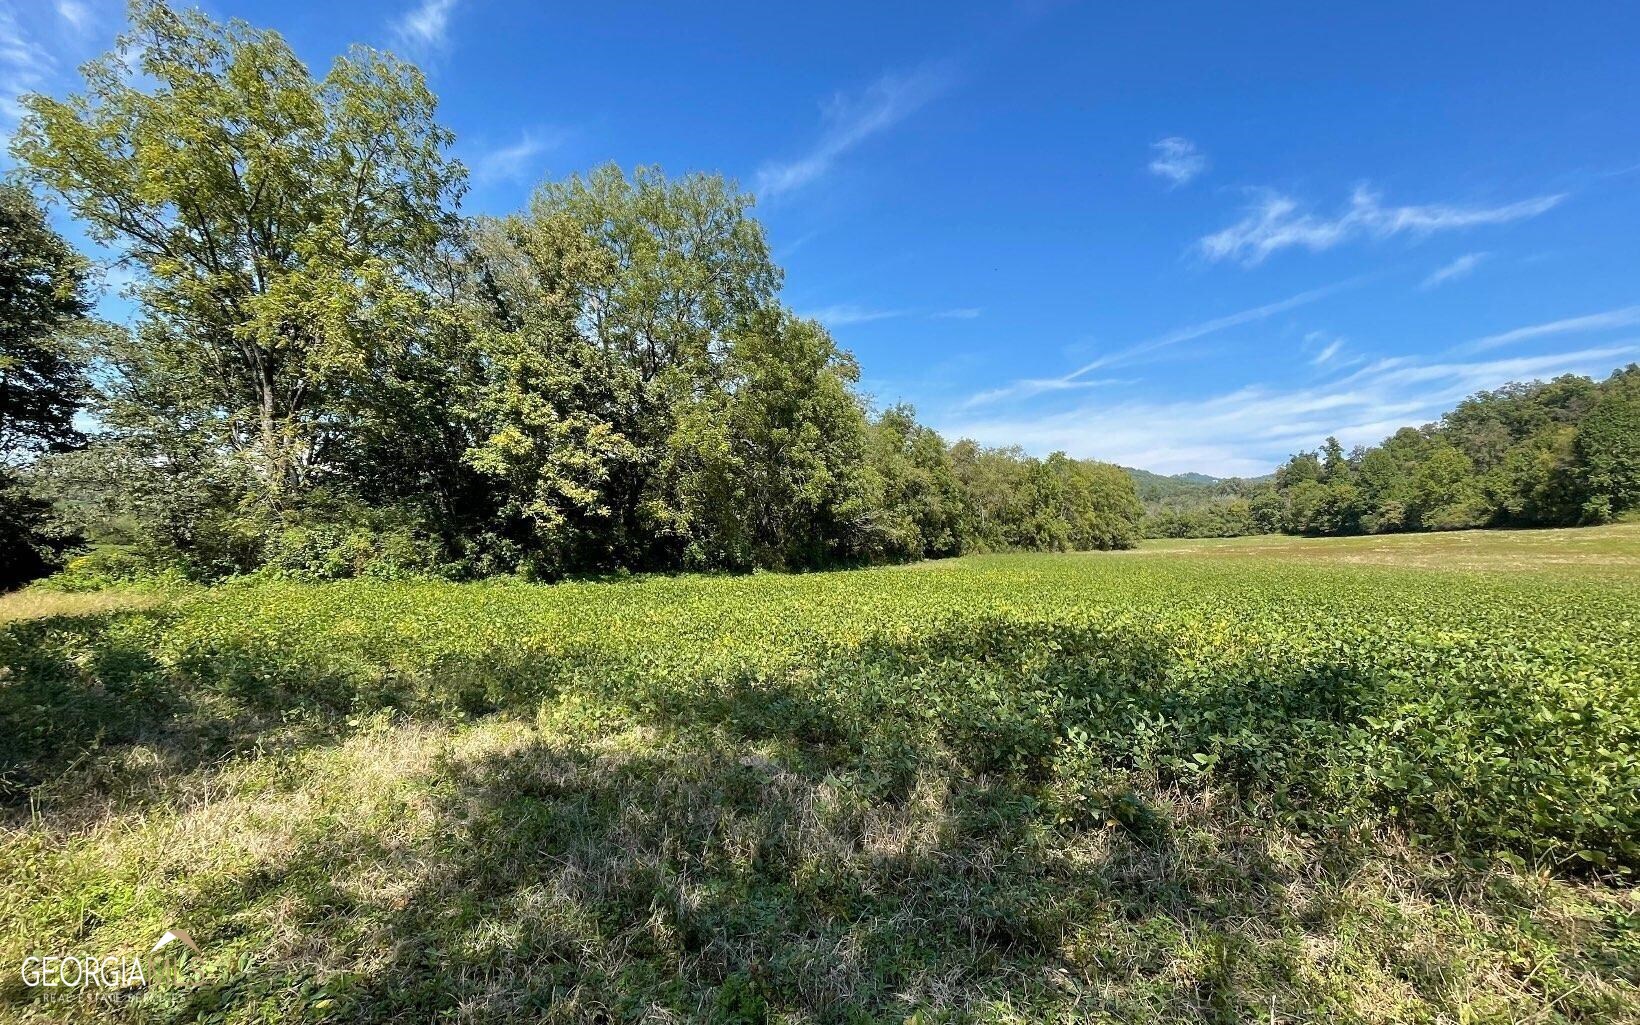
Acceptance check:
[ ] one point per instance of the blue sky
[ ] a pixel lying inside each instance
(1175, 236)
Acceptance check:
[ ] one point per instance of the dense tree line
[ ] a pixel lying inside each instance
(1542, 454)
(333, 372)
(1223, 509)
(1554, 453)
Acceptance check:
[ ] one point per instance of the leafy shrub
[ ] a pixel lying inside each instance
(340, 551)
(101, 567)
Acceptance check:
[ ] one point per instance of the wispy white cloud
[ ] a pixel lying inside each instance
(514, 160)
(76, 14)
(1459, 268)
(25, 66)
(1030, 386)
(844, 314)
(1329, 348)
(847, 121)
(1193, 331)
(425, 26)
(41, 43)
(118, 276)
(1624, 317)
(1026, 388)
(1176, 159)
(1247, 431)
(1277, 222)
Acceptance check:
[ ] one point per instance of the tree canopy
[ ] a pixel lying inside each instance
(43, 335)
(280, 222)
(334, 372)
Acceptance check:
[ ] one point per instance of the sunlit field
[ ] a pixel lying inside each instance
(1387, 779)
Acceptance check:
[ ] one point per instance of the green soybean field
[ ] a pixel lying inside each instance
(1387, 779)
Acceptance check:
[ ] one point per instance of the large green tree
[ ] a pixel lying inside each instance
(1080, 505)
(547, 396)
(995, 499)
(1608, 444)
(685, 268)
(915, 497)
(280, 222)
(767, 470)
(614, 315)
(44, 305)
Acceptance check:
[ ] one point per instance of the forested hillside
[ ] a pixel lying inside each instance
(1539, 454)
(1156, 487)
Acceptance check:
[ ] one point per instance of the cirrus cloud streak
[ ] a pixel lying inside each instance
(1279, 222)
(849, 121)
(1248, 431)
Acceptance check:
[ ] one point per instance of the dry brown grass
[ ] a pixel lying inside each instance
(37, 603)
(1605, 550)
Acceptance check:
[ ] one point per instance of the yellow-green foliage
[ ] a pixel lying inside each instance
(1487, 713)
(1152, 785)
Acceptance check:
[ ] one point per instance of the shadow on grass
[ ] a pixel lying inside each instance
(694, 882)
(81, 691)
(113, 705)
(1006, 822)
(95, 705)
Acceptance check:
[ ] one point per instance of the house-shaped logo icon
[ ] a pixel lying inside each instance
(175, 936)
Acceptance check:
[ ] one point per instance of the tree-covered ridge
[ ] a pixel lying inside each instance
(1540, 454)
(1156, 487)
(334, 373)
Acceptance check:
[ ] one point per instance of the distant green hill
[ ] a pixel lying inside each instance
(1155, 487)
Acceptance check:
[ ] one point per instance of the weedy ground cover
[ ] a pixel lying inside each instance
(1277, 779)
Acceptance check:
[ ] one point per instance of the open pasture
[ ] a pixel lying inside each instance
(1377, 780)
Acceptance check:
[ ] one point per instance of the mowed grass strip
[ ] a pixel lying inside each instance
(1273, 783)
